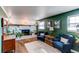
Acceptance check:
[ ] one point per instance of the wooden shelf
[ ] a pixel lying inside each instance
(48, 40)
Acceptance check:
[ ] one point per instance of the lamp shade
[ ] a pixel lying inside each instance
(51, 28)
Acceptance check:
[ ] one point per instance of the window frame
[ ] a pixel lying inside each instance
(41, 25)
(69, 23)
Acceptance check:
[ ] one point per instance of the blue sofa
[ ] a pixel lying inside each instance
(65, 48)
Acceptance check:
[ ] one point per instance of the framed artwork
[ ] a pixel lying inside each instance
(57, 24)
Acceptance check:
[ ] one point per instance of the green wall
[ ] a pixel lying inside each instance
(0, 34)
(63, 20)
(63, 23)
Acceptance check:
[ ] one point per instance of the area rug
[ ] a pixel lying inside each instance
(40, 47)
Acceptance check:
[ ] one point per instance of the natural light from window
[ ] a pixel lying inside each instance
(41, 25)
(73, 23)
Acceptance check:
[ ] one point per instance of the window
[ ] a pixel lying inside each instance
(73, 23)
(41, 25)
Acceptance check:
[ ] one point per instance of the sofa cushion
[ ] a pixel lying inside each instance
(55, 39)
(59, 44)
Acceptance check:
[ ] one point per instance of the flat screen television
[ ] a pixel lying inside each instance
(26, 31)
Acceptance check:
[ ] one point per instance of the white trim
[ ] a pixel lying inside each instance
(4, 11)
(74, 51)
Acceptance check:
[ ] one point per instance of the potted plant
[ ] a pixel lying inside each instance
(18, 35)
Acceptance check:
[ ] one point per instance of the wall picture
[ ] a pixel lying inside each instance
(57, 24)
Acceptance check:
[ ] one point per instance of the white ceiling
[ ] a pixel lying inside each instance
(35, 12)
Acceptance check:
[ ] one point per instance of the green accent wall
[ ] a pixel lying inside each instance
(63, 20)
(63, 23)
(0, 35)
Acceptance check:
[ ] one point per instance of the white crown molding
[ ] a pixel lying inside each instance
(4, 11)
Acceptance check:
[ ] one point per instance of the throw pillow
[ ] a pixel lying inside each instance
(64, 40)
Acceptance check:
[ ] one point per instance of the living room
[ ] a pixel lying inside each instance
(53, 26)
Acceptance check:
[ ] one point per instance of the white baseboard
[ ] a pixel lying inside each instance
(74, 51)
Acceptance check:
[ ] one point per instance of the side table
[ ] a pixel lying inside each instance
(48, 40)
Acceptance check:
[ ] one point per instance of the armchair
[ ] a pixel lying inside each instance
(41, 35)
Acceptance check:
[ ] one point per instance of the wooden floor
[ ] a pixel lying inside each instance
(20, 47)
(30, 44)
